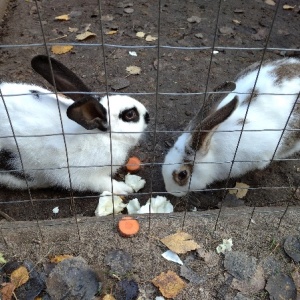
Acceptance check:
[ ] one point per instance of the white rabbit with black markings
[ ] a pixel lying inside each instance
(39, 156)
(205, 153)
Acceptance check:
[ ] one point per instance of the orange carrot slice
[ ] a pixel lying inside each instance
(133, 164)
(128, 226)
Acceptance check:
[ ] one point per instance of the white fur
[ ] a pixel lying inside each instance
(37, 125)
(256, 148)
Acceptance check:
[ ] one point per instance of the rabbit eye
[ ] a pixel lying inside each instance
(130, 115)
(182, 175)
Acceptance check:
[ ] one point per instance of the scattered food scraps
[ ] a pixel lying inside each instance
(240, 190)
(270, 2)
(140, 34)
(85, 35)
(109, 204)
(60, 49)
(134, 181)
(132, 53)
(133, 164)
(169, 284)
(2, 259)
(150, 38)
(133, 70)
(62, 18)
(159, 204)
(55, 210)
(172, 256)
(225, 246)
(111, 32)
(73, 29)
(180, 242)
(128, 227)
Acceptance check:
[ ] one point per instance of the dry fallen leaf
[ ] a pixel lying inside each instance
(58, 258)
(140, 34)
(133, 70)
(169, 284)
(7, 291)
(73, 29)
(63, 18)
(85, 35)
(236, 22)
(240, 190)
(58, 49)
(287, 7)
(111, 32)
(19, 276)
(270, 2)
(180, 242)
(150, 38)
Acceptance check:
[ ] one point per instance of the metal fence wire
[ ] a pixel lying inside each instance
(163, 103)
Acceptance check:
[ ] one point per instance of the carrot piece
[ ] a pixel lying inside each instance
(128, 226)
(133, 164)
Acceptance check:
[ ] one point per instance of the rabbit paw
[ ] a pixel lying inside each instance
(121, 188)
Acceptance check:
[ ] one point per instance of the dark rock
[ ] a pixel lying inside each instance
(72, 279)
(120, 262)
(239, 265)
(281, 287)
(126, 290)
(191, 275)
(271, 266)
(292, 247)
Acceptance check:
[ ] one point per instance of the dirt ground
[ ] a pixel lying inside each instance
(181, 71)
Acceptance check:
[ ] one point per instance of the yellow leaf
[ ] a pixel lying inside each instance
(2, 259)
(180, 242)
(19, 276)
(169, 284)
(240, 191)
(150, 38)
(108, 297)
(58, 258)
(140, 34)
(111, 32)
(133, 70)
(63, 18)
(85, 35)
(287, 7)
(57, 49)
(7, 290)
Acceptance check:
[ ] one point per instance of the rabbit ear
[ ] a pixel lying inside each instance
(86, 110)
(203, 132)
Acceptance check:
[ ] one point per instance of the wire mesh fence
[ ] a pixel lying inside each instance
(184, 58)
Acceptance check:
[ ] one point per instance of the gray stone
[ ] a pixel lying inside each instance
(281, 287)
(120, 262)
(72, 279)
(239, 265)
(292, 247)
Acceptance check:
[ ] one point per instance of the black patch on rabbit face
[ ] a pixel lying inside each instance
(182, 176)
(130, 115)
(6, 163)
(147, 118)
(35, 94)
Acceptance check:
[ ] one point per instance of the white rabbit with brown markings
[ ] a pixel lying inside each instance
(98, 133)
(205, 153)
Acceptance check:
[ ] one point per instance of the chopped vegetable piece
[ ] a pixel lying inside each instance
(133, 164)
(128, 226)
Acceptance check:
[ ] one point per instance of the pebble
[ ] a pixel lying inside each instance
(72, 279)
(292, 247)
(120, 262)
(281, 287)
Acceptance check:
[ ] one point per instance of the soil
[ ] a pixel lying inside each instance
(181, 70)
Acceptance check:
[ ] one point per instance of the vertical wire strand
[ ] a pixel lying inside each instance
(205, 96)
(244, 121)
(108, 105)
(22, 165)
(156, 109)
(73, 205)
